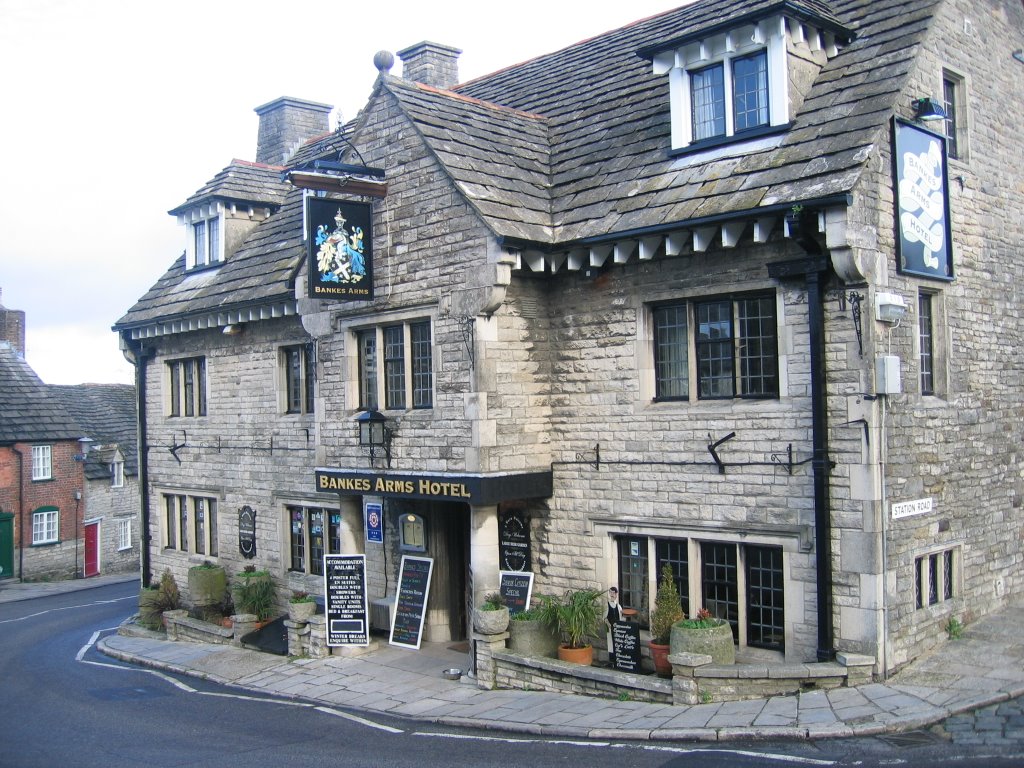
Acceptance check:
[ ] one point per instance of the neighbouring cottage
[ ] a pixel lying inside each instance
(731, 289)
(69, 495)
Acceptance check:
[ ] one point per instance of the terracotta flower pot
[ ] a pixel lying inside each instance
(584, 655)
(659, 654)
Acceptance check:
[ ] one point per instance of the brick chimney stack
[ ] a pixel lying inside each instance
(12, 327)
(431, 64)
(285, 124)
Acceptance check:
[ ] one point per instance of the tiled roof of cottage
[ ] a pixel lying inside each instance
(608, 126)
(574, 146)
(241, 182)
(29, 410)
(107, 413)
(261, 272)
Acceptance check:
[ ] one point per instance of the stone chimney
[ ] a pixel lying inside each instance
(431, 64)
(285, 124)
(12, 327)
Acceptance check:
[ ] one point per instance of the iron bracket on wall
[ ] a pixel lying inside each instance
(714, 453)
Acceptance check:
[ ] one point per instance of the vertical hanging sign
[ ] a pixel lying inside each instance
(339, 250)
(922, 203)
(373, 521)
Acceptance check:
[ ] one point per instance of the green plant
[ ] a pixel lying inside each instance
(703, 619)
(530, 614)
(668, 608)
(575, 617)
(954, 628)
(157, 598)
(625, 697)
(255, 592)
(298, 596)
(494, 601)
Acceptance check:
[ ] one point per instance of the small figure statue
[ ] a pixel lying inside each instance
(612, 616)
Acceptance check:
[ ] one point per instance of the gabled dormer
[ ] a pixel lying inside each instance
(746, 77)
(219, 216)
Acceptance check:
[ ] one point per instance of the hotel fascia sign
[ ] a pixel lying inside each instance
(478, 489)
(339, 251)
(922, 212)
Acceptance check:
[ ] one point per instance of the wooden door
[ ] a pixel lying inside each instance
(92, 549)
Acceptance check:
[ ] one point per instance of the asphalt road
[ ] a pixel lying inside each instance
(64, 704)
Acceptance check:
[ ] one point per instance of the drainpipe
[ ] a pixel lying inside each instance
(138, 357)
(814, 271)
(21, 513)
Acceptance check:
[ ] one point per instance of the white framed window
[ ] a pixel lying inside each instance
(728, 85)
(117, 474)
(205, 246)
(298, 377)
(186, 387)
(190, 524)
(42, 462)
(124, 534)
(45, 525)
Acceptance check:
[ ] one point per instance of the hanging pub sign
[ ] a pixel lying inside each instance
(513, 541)
(345, 600)
(922, 203)
(247, 532)
(339, 239)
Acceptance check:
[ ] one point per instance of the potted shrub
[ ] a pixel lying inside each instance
(668, 610)
(530, 635)
(492, 616)
(255, 593)
(705, 634)
(576, 617)
(207, 586)
(157, 598)
(301, 605)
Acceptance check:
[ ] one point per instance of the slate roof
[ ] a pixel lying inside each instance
(574, 146)
(608, 127)
(107, 413)
(241, 182)
(29, 409)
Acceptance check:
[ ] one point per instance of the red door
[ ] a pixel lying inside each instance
(92, 549)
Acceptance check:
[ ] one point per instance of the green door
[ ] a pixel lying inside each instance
(6, 545)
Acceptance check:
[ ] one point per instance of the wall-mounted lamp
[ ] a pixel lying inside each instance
(232, 330)
(927, 108)
(890, 307)
(375, 435)
(1019, 55)
(83, 451)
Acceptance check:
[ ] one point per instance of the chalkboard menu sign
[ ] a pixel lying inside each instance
(515, 588)
(626, 641)
(513, 541)
(247, 532)
(411, 603)
(345, 606)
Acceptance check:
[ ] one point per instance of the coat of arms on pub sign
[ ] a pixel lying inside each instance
(340, 259)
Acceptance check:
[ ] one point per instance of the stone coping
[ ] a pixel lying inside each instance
(610, 677)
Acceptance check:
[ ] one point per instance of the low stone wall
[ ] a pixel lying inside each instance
(694, 680)
(180, 626)
(532, 673)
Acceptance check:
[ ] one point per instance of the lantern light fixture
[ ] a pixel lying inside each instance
(375, 435)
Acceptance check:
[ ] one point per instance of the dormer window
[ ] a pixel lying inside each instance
(729, 84)
(206, 246)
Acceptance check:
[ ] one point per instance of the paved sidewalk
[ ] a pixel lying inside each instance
(984, 667)
(12, 590)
